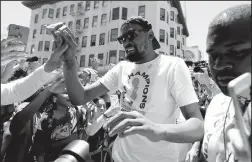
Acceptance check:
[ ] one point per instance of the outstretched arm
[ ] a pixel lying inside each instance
(78, 94)
(23, 88)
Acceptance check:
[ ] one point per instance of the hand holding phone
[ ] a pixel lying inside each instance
(240, 91)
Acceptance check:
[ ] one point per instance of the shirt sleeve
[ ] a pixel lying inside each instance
(180, 84)
(110, 79)
(23, 88)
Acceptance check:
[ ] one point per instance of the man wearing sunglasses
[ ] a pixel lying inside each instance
(152, 86)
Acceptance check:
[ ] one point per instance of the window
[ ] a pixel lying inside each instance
(115, 13)
(44, 13)
(183, 41)
(162, 35)
(77, 40)
(162, 14)
(121, 55)
(93, 40)
(108, 36)
(47, 31)
(112, 56)
(84, 41)
(82, 61)
(71, 8)
(104, 3)
(34, 33)
(124, 13)
(51, 12)
(40, 46)
(172, 32)
(58, 13)
(172, 15)
(100, 57)
(87, 7)
(141, 11)
(161, 53)
(167, 18)
(102, 39)
(70, 24)
(178, 44)
(89, 60)
(175, 34)
(103, 19)
(32, 48)
(53, 46)
(95, 19)
(96, 4)
(42, 29)
(65, 11)
(78, 24)
(86, 22)
(44, 60)
(178, 30)
(114, 35)
(36, 18)
(79, 6)
(167, 38)
(171, 49)
(47, 46)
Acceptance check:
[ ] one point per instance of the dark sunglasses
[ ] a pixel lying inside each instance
(130, 35)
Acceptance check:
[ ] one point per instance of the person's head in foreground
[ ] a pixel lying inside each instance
(229, 45)
(138, 39)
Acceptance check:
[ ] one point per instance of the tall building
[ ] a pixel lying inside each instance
(96, 25)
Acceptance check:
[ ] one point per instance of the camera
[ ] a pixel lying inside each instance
(76, 151)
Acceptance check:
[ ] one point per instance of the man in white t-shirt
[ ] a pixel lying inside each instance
(152, 87)
(229, 50)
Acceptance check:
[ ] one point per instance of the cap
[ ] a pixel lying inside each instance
(145, 24)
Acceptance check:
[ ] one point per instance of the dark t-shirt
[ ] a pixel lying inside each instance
(18, 150)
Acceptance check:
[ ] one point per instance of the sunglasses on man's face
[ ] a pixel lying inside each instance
(130, 35)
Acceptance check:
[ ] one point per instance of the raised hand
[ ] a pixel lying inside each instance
(95, 63)
(60, 47)
(129, 123)
(10, 53)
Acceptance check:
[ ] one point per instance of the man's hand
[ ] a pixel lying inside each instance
(95, 63)
(128, 123)
(192, 155)
(69, 38)
(93, 112)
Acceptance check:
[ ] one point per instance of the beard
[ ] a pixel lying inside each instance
(134, 55)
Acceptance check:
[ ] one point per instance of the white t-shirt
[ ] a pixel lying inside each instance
(23, 88)
(213, 142)
(155, 89)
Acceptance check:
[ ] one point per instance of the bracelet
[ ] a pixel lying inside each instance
(105, 115)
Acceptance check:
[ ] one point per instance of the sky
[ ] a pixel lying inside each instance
(199, 14)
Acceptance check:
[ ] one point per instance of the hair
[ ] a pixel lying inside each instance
(19, 73)
(231, 15)
(144, 23)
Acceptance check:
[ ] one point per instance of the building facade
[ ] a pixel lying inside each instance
(96, 26)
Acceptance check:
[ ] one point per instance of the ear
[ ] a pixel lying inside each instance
(151, 34)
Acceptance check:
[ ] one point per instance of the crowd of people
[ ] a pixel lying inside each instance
(131, 113)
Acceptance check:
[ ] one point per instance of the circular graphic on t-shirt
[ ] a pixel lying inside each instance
(61, 131)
